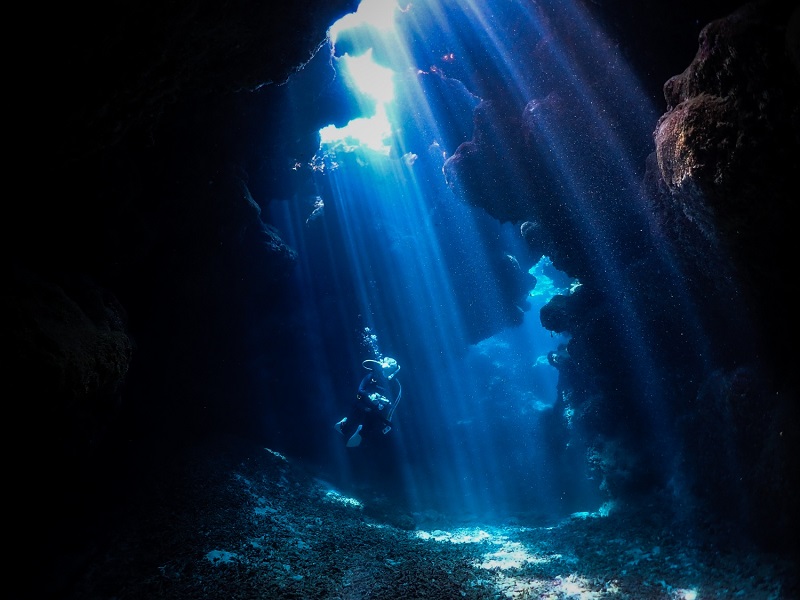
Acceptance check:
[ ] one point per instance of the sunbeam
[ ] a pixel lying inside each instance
(472, 435)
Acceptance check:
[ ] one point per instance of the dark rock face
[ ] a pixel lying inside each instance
(556, 315)
(718, 191)
(726, 151)
(146, 207)
(71, 343)
(739, 421)
(139, 247)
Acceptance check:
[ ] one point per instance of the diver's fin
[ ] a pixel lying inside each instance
(355, 439)
(339, 425)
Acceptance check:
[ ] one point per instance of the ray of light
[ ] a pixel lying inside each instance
(469, 436)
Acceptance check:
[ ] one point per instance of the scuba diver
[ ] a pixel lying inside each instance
(377, 398)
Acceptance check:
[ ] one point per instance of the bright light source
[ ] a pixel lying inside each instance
(369, 77)
(378, 13)
(373, 133)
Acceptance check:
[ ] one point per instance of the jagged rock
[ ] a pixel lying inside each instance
(725, 152)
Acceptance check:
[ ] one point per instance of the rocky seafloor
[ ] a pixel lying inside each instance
(249, 523)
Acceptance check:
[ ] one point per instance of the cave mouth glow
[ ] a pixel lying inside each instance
(365, 77)
(415, 273)
(374, 132)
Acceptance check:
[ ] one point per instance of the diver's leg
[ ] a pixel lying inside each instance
(341, 425)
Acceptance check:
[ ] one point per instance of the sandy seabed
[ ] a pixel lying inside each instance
(251, 524)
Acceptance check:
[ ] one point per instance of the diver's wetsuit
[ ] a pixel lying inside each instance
(366, 412)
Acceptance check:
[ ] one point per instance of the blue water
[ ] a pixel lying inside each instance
(392, 263)
(468, 429)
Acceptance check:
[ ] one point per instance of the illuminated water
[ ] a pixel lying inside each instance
(393, 264)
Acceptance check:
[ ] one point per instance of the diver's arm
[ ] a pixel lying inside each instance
(363, 387)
